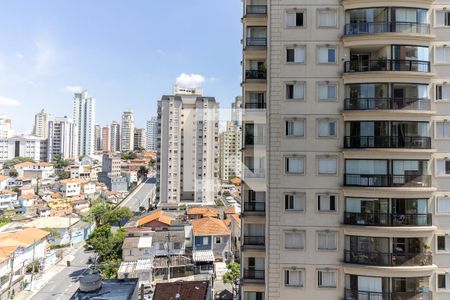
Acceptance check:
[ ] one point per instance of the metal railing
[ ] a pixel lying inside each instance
(384, 65)
(386, 103)
(255, 105)
(373, 180)
(254, 206)
(385, 219)
(255, 74)
(383, 27)
(256, 10)
(254, 240)
(254, 274)
(366, 295)
(411, 142)
(374, 258)
(256, 42)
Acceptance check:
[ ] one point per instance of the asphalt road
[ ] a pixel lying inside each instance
(141, 195)
(64, 284)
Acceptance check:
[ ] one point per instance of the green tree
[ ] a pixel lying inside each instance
(113, 216)
(60, 163)
(232, 276)
(143, 171)
(62, 174)
(16, 160)
(13, 173)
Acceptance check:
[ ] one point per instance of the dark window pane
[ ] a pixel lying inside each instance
(299, 19)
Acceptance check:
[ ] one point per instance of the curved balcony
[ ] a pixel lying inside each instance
(376, 258)
(406, 142)
(374, 180)
(385, 219)
(387, 103)
(359, 28)
(387, 65)
(366, 295)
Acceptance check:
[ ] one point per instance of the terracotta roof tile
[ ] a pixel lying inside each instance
(158, 216)
(204, 211)
(193, 290)
(209, 226)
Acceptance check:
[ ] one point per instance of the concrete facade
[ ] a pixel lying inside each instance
(84, 111)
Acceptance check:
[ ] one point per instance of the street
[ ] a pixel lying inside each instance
(140, 196)
(65, 283)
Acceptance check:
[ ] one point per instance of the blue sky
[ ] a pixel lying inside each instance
(125, 53)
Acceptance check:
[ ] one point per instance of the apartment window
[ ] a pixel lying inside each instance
(442, 55)
(295, 165)
(442, 167)
(326, 278)
(327, 91)
(294, 202)
(326, 203)
(295, 18)
(443, 243)
(295, 128)
(326, 166)
(443, 130)
(293, 278)
(327, 128)
(327, 55)
(295, 91)
(218, 239)
(327, 18)
(442, 92)
(295, 55)
(443, 281)
(327, 240)
(443, 205)
(294, 240)
(442, 18)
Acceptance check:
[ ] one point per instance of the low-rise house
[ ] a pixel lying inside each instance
(8, 199)
(4, 182)
(66, 228)
(26, 190)
(60, 208)
(131, 177)
(28, 199)
(111, 197)
(235, 228)
(193, 290)
(137, 253)
(20, 182)
(80, 207)
(75, 187)
(202, 212)
(156, 219)
(38, 170)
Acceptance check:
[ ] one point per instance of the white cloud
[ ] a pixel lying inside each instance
(190, 80)
(8, 102)
(19, 55)
(74, 88)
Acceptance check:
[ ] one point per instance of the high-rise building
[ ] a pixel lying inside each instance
(24, 146)
(354, 203)
(84, 118)
(140, 139)
(41, 120)
(127, 131)
(230, 145)
(152, 133)
(106, 138)
(5, 127)
(98, 137)
(62, 138)
(115, 136)
(111, 175)
(188, 147)
(236, 111)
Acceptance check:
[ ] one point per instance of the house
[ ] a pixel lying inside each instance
(38, 170)
(66, 228)
(114, 289)
(202, 212)
(60, 208)
(192, 290)
(211, 242)
(137, 254)
(75, 187)
(21, 181)
(28, 199)
(80, 206)
(8, 199)
(131, 176)
(4, 182)
(156, 219)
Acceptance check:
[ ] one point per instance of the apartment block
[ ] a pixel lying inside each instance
(115, 136)
(346, 193)
(41, 120)
(98, 137)
(5, 127)
(152, 133)
(25, 146)
(230, 146)
(140, 138)
(188, 145)
(106, 139)
(84, 112)
(62, 138)
(127, 133)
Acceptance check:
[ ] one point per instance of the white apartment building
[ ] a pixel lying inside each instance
(84, 117)
(62, 138)
(152, 133)
(349, 199)
(115, 136)
(188, 147)
(230, 146)
(25, 146)
(127, 133)
(41, 120)
(140, 138)
(5, 127)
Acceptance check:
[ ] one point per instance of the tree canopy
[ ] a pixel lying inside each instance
(232, 275)
(16, 160)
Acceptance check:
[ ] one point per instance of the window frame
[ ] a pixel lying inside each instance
(301, 232)
(440, 63)
(446, 161)
(302, 157)
(328, 9)
(442, 290)
(336, 240)
(331, 46)
(294, 194)
(295, 11)
(294, 120)
(319, 120)
(327, 84)
(437, 205)
(301, 276)
(293, 47)
(444, 122)
(329, 157)
(336, 201)
(293, 83)
(335, 277)
(441, 85)
(446, 18)
(446, 245)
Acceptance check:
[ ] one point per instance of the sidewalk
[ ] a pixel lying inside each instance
(51, 272)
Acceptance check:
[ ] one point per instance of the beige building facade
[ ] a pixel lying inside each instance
(346, 188)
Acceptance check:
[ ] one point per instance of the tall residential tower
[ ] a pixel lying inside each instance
(84, 118)
(127, 133)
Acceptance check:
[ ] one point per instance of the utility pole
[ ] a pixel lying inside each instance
(168, 256)
(11, 275)
(32, 264)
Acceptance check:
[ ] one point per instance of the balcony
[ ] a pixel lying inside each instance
(257, 10)
(252, 140)
(253, 274)
(254, 173)
(404, 142)
(255, 105)
(385, 219)
(386, 103)
(374, 180)
(250, 240)
(359, 295)
(376, 258)
(385, 27)
(256, 42)
(255, 75)
(254, 207)
(387, 65)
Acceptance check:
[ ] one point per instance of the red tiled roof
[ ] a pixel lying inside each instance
(209, 226)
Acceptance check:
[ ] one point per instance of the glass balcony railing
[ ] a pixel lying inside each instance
(375, 180)
(255, 74)
(260, 10)
(407, 142)
(385, 219)
(387, 65)
(254, 274)
(256, 42)
(386, 103)
(366, 295)
(385, 26)
(255, 105)
(250, 240)
(254, 207)
(375, 258)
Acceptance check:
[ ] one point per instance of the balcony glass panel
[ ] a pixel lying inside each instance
(255, 100)
(256, 36)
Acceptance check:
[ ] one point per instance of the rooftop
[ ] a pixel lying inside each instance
(204, 211)
(111, 290)
(209, 226)
(158, 215)
(52, 222)
(192, 290)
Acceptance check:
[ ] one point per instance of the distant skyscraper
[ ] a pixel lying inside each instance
(62, 138)
(98, 137)
(106, 138)
(41, 120)
(188, 147)
(140, 139)
(127, 133)
(115, 136)
(5, 127)
(152, 133)
(230, 145)
(84, 118)
(236, 111)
